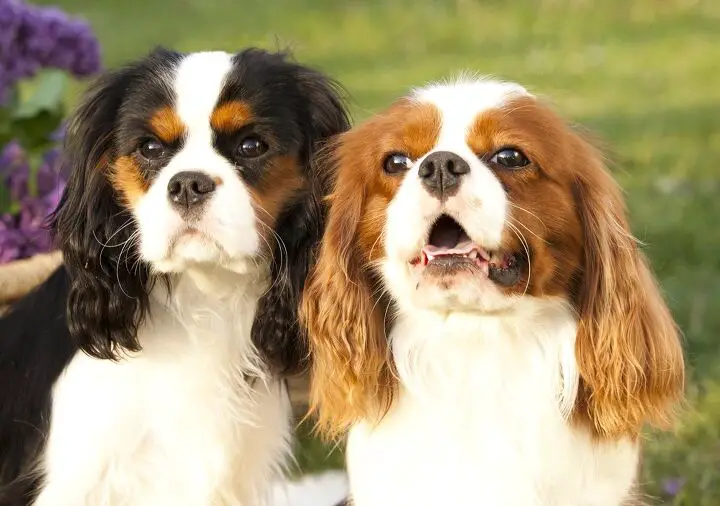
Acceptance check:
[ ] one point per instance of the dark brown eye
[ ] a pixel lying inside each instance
(251, 147)
(152, 149)
(397, 163)
(510, 158)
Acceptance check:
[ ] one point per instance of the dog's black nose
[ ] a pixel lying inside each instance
(441, 172)
(190, 189)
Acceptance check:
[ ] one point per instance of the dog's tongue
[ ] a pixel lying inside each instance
(447, 237)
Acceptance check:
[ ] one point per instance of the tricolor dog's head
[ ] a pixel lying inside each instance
(185, 161)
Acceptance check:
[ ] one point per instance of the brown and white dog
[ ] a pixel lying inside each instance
(480, 315)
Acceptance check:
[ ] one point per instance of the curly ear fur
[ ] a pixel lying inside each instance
(276, 332)
(108, 295)
(352, 375)
(628, 348)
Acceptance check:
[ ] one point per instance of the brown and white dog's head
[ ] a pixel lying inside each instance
(473, 197)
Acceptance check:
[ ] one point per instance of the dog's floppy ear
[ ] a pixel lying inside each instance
(276, 331)
(628, 346)
(352, 374)
(108, 294)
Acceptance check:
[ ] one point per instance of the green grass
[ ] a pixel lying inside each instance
(644, 74)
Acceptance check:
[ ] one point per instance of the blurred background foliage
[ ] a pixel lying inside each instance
(643, 74)
(43, 45)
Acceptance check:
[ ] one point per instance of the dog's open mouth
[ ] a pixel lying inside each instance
(449, 249)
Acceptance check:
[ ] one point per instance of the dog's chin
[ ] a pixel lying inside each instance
(459, 292)
(195, 251)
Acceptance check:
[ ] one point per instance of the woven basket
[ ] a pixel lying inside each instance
(18, 278)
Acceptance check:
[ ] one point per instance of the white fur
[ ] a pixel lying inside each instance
(228, 222)
(326, 489)
(178, 423)
(192, 419)
(487, 382)
(482, 418)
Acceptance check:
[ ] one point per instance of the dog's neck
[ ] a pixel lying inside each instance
(212, 310)
(482, 416)
(435, 353)
(212, 284)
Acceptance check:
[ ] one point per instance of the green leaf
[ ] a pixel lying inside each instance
(34, 132)
(6, 112)
(12, 97)
(47, 97)
(4, 199)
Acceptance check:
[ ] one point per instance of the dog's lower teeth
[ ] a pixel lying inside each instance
(473, 254)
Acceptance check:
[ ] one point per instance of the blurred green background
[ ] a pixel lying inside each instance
(644, 74)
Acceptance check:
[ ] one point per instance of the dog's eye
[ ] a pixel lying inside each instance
(152, 149)
(397, 163)
(251, 147)
(510, 158)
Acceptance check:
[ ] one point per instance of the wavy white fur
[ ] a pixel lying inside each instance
(326, 489)
(136, 413)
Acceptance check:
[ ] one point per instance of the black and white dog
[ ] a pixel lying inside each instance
(147, 370)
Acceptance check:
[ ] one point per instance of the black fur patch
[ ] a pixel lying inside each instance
(35, 347)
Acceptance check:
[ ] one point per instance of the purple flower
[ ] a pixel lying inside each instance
(52, 198)
(48, 175)
(14, 170)
(24, 235)
(11, 154)
(55, 40)
(43, 37)
(26, 232)
(11, 240)
(32, 214)
(59, 133)
(10, 16)
(673, 486)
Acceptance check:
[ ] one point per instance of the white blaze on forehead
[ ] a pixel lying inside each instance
(197, 86)
(198, 83)
(460, 103)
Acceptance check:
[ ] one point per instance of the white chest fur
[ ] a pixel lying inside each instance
(481, 419)
(179, 424)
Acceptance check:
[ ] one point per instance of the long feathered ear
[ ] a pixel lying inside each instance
(276, 332)
(628, 346)
(352, 375)
(108, 296)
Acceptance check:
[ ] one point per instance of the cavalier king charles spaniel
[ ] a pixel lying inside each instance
(148, 369)
(480, 315)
